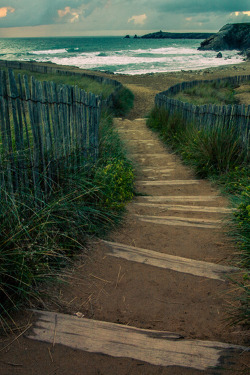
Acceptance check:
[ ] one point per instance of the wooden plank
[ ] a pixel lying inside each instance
(170, 262)
(124, 130)
(55, 140)
(41, 131)
(27, 146)
(180, 221)
(48, 141)
(33, 139)
(6, 148)
(179, 198)
(156, 347)
(156, 155)
(168, 182)
(221, 210)
(12, 167)
(18, 131)
(85, 121)
(160, 170)
(139, 140)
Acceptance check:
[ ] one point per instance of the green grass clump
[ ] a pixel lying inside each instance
(123, 102)
(210, 150)
(222, 93)
(217, 153)
(38, 238)
(114, 174)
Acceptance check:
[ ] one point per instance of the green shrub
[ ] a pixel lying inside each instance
(114, 175)
(213, 150)
(116, 181)
(123, 102)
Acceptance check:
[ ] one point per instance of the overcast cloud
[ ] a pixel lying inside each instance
(77, 17)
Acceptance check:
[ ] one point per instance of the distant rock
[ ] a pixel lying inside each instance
(165, 35)
(135, 37)
(127, 37)
(219, 55)
(246, 54)
(229, 37)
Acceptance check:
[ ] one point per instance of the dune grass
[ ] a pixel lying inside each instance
(222, 93)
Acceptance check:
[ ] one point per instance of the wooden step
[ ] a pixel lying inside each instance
(180, 221)
(179, 198)
(221, 210)
(143, 141)
(155, 155)
(157, 170)
(171, 262)
(168, 182)
(155, 347)
(125, 130)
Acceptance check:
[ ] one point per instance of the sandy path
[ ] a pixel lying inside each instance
(177, 215)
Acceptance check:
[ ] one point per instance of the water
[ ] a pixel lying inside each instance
(115, 54)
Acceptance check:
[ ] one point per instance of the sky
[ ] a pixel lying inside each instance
(35, 18)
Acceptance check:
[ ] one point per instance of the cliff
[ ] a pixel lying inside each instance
(231, 36)
(165, 35)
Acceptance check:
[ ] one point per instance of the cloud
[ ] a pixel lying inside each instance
(45, 12)
(246, 13)
(62, 13)
(69, 14)
(239, 16)
(138, 20)
(202, 6)
(5, 10)
(95, 15)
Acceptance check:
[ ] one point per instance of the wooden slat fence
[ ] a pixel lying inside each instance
(209, 115)
(54, 69)
(45, 130)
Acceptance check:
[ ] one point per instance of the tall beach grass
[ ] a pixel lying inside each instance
(220, 93)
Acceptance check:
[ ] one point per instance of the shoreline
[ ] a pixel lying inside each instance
(157, 82)
(243, 65)
(204, 70)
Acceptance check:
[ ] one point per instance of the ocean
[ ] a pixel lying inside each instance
(116, 54)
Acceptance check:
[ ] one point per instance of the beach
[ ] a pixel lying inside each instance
(114, 290)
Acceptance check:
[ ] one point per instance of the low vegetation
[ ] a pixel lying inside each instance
(217, 153)
(84, 83)
(38, 238)
(220, 93)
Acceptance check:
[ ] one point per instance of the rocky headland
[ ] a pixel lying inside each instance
(231, 36)
(165, 35)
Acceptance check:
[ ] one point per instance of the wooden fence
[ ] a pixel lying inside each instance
(208, 115)
(56, 69)
(45, 130)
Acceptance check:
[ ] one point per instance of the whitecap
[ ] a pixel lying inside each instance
(49, 52)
